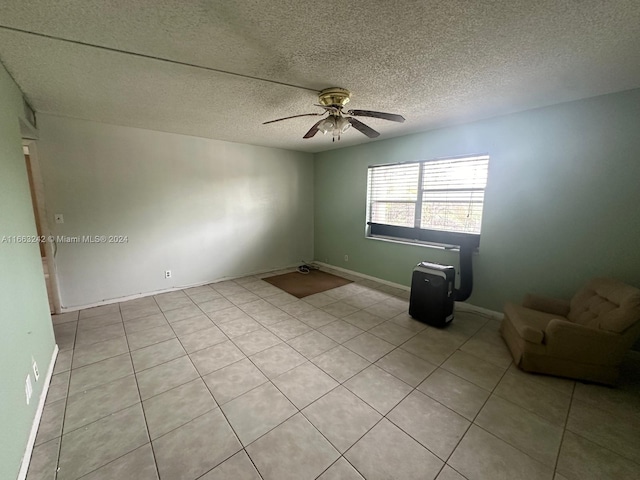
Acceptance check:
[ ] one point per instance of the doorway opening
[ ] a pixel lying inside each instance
(47, 248)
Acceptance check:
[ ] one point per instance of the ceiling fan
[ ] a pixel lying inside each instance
(333, 100)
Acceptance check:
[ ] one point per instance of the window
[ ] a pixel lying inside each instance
(437, 201)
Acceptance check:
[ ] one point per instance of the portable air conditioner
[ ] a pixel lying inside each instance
(432, 293)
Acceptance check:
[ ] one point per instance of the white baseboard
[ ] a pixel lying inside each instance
(24, 468)
(166, 290)
(462, 306)
(485, 312)
(362, 275)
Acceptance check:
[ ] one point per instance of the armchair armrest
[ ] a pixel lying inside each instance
(550, 305)
(569, 340)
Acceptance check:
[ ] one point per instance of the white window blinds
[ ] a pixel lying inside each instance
(444, 194)
(393, 190)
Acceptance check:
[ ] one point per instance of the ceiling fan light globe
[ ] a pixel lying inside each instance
(342, 125)
(327, 125)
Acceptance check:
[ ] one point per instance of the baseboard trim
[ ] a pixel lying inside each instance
(167, 290)
(26, 459)
(485, 312)
(462, 306)
(362, 275)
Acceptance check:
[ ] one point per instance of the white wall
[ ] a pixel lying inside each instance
(205, 209)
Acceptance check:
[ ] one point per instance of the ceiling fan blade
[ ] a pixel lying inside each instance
(361, 127)
(368, 113)
(313, 130)
(294, 116)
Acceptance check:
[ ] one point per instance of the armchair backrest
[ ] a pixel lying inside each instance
(607, 304)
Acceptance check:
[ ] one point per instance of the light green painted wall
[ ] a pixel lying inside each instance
(562, 200)
(25, 324)
(204, 209)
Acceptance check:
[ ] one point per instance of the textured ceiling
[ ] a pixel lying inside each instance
(435, 62)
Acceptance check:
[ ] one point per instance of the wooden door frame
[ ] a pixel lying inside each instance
(49, 247)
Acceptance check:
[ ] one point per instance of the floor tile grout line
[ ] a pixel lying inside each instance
(180, 340)
(331, 465)
(102, 359)
(144, 413)
(286, 341)
(95, 363)
(170, 389)
(310, 359)
(346, 460)
(231, 426)
(603, 447)
(63, 433)
(243, 449)
(400, 348)
(108, 414)
(361, 436)
(217, 407)
(564, 429)
(472, 422)
(491, 392)
(548, 467)
(294, 405)
(161, 363)
(325, 437)
(176, 387)
(535, 377)
(528, 410)
(595, 405)
(66, 400)
(267, 381)
(532, 412)
(341, 384)
(276, 426)
(414, 389)
(496, 436)
(115, 460)
(240, 395)
(567, 429)
(164, 363)
(92, 328)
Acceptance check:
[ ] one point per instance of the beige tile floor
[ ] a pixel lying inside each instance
(239, 380)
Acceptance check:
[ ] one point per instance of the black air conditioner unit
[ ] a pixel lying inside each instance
(433, 291)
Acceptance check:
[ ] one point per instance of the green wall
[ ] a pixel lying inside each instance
(562, 202)
(24, 311)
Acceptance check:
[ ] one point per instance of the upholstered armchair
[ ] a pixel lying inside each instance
(585, 338)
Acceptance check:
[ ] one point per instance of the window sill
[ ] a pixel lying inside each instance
(415, 243)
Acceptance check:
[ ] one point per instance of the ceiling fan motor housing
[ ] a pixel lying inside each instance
(337, 97)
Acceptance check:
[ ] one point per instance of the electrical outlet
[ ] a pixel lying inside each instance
(28, 388)
(167, 274)
(346, 258)
(59, 218)
(36, 372)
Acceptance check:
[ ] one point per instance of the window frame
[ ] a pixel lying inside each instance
(416, 235)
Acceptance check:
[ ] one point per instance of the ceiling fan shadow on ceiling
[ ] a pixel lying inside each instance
(337, 122)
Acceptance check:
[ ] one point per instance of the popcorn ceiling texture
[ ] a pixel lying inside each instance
(435, 62)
